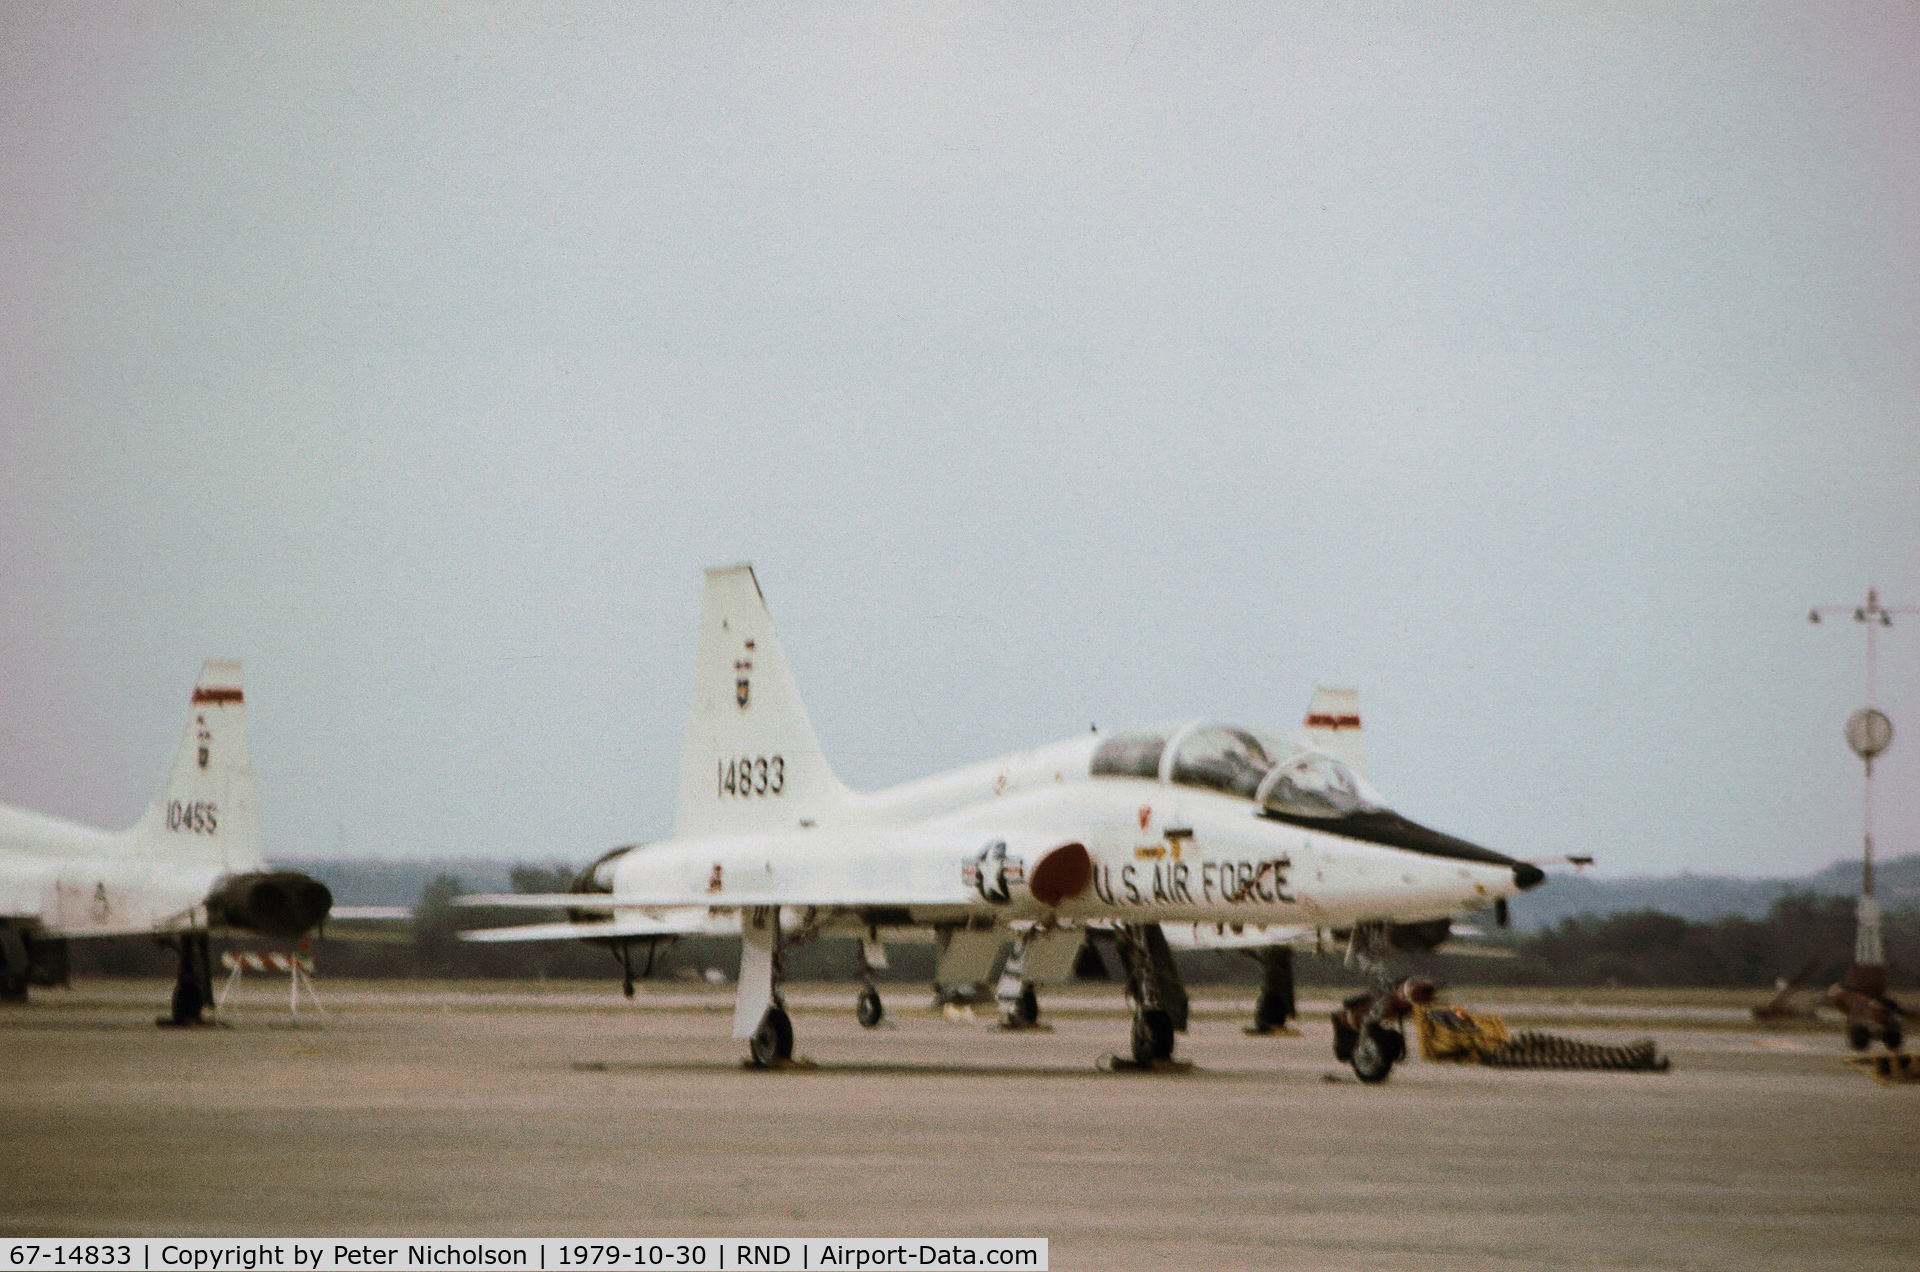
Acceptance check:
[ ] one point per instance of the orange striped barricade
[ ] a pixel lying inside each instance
(296, 966)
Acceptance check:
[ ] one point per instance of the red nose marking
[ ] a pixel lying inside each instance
(1062, 875)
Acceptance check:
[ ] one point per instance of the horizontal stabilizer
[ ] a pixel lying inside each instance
(598, 901)
(634, 927)
(369, 914)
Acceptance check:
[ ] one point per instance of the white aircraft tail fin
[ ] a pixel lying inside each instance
(206, 812)
(1333, 725)
(749, 760)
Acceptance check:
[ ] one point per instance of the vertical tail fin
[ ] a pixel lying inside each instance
(206, 812)
(749, 760)
(1333, 725)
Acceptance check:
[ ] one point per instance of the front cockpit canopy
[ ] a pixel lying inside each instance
(1282, 776)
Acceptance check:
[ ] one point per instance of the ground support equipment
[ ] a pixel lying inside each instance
(1456, 1034)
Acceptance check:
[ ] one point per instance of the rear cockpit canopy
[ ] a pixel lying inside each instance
(1280, 775)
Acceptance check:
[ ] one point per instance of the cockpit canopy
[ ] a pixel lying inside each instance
(1282, 776)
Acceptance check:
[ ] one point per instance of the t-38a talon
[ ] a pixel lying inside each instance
(1196, 835)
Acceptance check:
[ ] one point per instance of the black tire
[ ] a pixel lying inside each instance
(772, 1042)
(1892, 1035)
(1152, 1037)
(1392, 1043)
(1344, 1036)
(1027, 1011)
(1859, 1036)
(868, 1009)
(1271, 1011)
(188, 1004)
(1373, 1061)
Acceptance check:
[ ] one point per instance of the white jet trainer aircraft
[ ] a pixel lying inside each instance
(189, 867)
(1203, 825)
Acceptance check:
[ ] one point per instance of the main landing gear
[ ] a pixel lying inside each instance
(772, 1041)
(1153, 986)
(867, 1008)
(760, 1010)
(16, 966)
(193, 986)
(1275, 1005)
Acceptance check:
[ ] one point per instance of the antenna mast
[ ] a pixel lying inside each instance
(1868, 733)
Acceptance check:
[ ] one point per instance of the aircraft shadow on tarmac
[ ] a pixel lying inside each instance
(874, 1068)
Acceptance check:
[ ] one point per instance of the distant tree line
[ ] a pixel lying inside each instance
(1804, 936)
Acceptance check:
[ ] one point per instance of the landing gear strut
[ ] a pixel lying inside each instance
(868, 1009)
(1275, 1006)
(1015, 997)
(16, 964)
(193, 987)
(1153, 985)
(760, 1011)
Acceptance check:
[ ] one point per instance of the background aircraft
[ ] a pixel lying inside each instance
(190, 867)
(1195, 823)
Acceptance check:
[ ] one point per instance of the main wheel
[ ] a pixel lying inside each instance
(1027, 1011)
(868, 1009)
(1344, 1036)
(772, 1042)
(187, 1003)
(1859, 1036)
(1270, 1011)
(1892, 1035)
(1152, 1037)
(1375, 1051)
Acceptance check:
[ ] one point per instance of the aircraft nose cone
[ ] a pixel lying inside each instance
(1526, 876)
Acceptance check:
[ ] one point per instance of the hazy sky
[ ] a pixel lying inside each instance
(1532, 368)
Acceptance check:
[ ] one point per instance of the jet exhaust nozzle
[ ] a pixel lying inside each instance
(1528, 876)
(282, 903)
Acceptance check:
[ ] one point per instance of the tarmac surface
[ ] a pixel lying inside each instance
(487, 1111)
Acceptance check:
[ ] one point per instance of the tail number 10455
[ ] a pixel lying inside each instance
(752, 776)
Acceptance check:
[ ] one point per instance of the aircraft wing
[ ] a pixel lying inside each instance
(826, 894)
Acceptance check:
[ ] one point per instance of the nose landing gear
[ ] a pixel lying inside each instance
(1368, 1030)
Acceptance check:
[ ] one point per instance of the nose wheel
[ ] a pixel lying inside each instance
(1367, 1032)
(1376, 1051)
(868, 1009)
